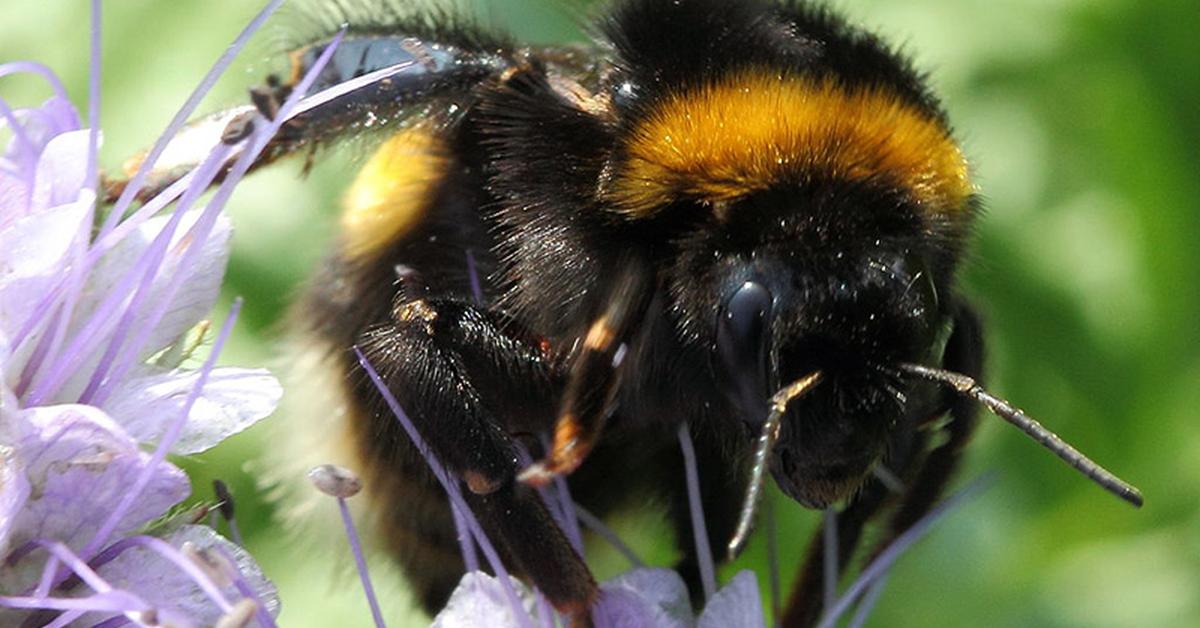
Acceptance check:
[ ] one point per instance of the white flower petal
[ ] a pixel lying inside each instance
(61, 170)
(14, 488)
(232, 400)
(196, 296)
(34, 253)
(37, 245)
(14, 199)
(479, 600)
(54, 117)
(737, 605)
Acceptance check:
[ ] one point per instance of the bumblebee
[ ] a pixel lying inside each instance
(743, 217)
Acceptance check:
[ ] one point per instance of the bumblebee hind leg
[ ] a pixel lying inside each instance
(468, 378)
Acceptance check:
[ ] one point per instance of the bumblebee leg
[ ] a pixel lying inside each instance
(467, 378)
(925, 478)
(516, 515)
(595, 376)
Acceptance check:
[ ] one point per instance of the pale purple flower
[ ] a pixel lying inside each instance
(481, 598)
(645, 597)
(736, 605)
(96, 328)
(640, 598)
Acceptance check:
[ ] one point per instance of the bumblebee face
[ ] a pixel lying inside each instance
(815, 276)
(853, 325)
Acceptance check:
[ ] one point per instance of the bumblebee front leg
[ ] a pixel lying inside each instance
(806, 602)
(468, 378)
(595, 375)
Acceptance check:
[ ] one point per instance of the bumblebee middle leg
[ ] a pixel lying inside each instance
(468, 378)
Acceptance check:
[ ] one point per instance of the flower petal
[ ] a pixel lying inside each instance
(162, 583)
(195, 297)
(479, 600)
(644, 597)
(61, 171)
(737, 605)
(232, 400)
(56, 116)
(79, 463)
(14, 488)
(14, 198)
(34, 252)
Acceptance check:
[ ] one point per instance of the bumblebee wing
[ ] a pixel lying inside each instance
(370, 80)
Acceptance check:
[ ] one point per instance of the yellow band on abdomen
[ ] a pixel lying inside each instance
(392, 192)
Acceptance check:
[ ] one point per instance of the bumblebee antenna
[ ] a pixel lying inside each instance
(766, 442)
(967, 387)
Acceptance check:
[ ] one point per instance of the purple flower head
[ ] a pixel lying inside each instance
(98, 320)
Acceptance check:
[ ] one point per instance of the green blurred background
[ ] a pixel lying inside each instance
(1083, 121)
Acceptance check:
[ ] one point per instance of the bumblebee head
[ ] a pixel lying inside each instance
(795, 190)
(821, 223)
(816, 202)
(834, 277)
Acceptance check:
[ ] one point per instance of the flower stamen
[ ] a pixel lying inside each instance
(342, 483)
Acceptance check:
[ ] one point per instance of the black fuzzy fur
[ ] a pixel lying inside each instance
(862, 280)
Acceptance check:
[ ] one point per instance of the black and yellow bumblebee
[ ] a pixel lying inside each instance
(743, 217)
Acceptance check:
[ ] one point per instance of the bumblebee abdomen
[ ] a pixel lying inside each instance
(392, 192)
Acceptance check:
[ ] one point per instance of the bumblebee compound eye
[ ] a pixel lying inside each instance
(743, 330)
